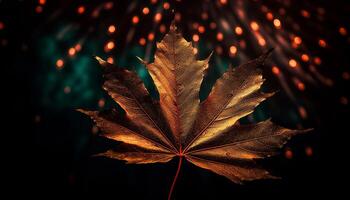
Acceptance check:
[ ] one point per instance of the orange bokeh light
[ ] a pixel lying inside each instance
(277, 23)
(269, 16)
(195, 38)
(219, 36)
(305, 13)
(254, 26)
(81, 9)
(110, 60)
(158, 17)
(301, 86)
(308, 151)
(162, 28)
(78, 47)
(239, 30)
(111, 29)
(261, 41)
(322, 43)
(145, 10)
(38, 9)
(275, 70)
(288, 154)
(195, 50)
(342, 31)
(201, 29)
(59, 63)
(72, 51)
(297, 40)
(292, 63)
(135, 19)
(150, 36)
(233, 50)
(142, 41)
(166, 5)
(110, 45)
(223, 2)
(317, 60)
(305, 58)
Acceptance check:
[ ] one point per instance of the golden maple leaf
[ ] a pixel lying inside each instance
(206, 133)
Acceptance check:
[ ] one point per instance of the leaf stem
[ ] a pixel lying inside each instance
(176, 175)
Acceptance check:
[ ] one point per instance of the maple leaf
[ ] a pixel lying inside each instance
(205, 133)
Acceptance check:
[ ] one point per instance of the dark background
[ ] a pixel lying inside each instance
(48, 152)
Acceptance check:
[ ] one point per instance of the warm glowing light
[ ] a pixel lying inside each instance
(111, 29)
(233, 50)
(135, 19)
(317, 60)
(275, 70)
(42, 2)
(297, 40)
(223, 2)
(301, 86)
(145, 10)
(142, 41)
(150, 36)
(261, 41)
(110, 45)
(38, 9)
(219, 36)
(158, 17)
(195, 38)
(153, 1)
(71, 51)
(305, 58)
(201, 29)
(59, 63)
(342, 31)
(292, 63)
(254, 26)
(77, 47)
(308, 151)
(305, 13)
(288, 154)
(277, 23)
(302, 112)
(166, 5)
(239, 30)
(2, 25)
(269, 16)
(108, 5)
(195, 50)
(81, 9)
(322, 43)
(110, 60)
(162, 28)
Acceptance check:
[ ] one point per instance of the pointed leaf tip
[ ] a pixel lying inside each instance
(102, 62)
(141, 60)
